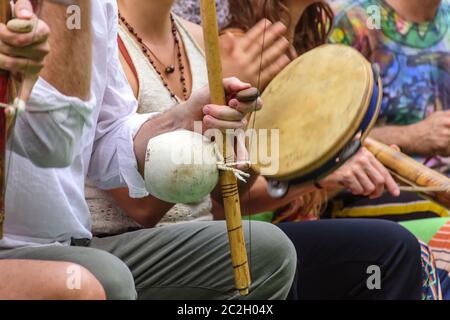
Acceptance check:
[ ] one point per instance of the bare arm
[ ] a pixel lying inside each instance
(146, 211)
(426, 138)
(255, 199)
(74, 49)
(401, 136)
(43, 135)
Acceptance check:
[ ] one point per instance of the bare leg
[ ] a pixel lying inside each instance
(47, 280)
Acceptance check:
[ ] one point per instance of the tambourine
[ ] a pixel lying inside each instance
(321, 107)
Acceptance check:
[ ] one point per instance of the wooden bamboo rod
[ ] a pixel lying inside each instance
(422, 178)
(228, 181)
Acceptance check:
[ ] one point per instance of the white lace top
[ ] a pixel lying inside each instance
(107, 217)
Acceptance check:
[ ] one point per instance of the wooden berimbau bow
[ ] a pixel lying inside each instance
(228, 181)
(5, 99)
(10, 102)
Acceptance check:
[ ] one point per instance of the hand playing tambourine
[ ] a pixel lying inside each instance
(363, 175)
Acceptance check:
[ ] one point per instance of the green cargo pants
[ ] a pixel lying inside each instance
(184, 261)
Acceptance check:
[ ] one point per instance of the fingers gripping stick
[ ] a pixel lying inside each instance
(19, 26)
(249, 95)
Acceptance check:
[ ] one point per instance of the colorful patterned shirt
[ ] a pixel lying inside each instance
(415, 66)
(190, 10)
(414, 57)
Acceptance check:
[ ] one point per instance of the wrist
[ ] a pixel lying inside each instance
(179, 117)
(411, 137)
(411, 130)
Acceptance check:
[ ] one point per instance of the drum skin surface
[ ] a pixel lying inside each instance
(317, 103)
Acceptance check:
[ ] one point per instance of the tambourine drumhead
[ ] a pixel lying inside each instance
(318, 103)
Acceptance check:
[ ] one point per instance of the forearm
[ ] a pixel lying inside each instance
(257, 200)
(402, 136)
(146, 211)
(71, 52)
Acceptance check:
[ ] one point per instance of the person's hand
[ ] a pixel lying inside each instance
(231, 116)
(245, 57)
(24, 45)
(432, 135)
(198, 108)
(362, 175)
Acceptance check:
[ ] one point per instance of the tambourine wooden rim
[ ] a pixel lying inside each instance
(363, 107)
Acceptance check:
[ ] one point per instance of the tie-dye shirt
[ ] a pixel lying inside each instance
(414, 57)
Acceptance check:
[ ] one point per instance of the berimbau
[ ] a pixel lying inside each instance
(6, 93)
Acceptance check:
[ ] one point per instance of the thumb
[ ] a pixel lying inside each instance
(23, 9)
(234, 85)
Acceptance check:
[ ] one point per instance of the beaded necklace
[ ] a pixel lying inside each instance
(149, 53)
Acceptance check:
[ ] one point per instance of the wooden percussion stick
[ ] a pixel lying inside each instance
(7, 112)
(412, 172)
(228, 181)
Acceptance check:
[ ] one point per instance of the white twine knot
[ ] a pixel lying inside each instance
(239, 174)
(19, 105)
(230, 166)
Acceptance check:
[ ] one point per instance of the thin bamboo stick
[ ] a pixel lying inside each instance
(5, 15)
(227, 179)
(411, 170)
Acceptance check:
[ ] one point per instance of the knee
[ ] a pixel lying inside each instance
(401, 240)
(114, 283)
(410, 246)
(90, 287)
(401, 249)
(73, 282)
(402, 260)
(410, 241)
(274, 255)
(116, 279)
